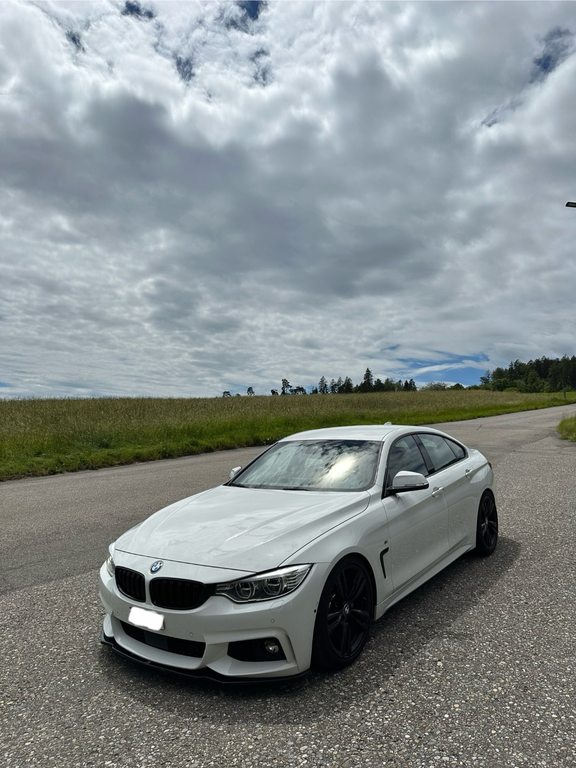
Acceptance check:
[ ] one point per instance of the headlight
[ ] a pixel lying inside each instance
(110, 567)
(265, 586)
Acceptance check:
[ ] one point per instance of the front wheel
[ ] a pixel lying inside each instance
(344, 616)
(486, 525)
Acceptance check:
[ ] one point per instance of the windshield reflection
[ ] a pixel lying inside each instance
(314, 465)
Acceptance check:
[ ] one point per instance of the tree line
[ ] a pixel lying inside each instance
(542, 375)
(345, 386)
(341, 386)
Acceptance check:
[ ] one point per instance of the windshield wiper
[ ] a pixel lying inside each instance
(269, 487)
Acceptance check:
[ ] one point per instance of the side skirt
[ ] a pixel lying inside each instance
(420, 579)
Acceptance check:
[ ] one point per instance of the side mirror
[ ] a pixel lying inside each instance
(234, 472)
(409, 481)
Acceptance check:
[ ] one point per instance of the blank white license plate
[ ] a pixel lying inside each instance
(146, 619)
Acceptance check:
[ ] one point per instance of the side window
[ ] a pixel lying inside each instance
(405, 454)
(459, 451)
(442, 452)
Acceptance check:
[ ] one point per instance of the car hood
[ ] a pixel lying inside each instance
(246, 529)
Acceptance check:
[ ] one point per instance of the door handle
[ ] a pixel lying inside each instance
(437, 491)
(467, 472)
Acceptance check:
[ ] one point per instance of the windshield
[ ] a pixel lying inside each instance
(314, 465)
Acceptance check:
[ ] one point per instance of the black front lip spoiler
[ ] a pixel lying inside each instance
(196, 674)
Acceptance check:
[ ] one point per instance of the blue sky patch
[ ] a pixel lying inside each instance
(558, 45)
(447, 367)
(132, 8)
(251, 7)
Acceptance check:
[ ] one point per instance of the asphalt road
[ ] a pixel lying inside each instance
(476, 668)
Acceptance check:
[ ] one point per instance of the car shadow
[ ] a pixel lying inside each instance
(429, 614)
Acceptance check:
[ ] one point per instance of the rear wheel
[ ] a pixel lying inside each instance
(487, 525)
(344, 616)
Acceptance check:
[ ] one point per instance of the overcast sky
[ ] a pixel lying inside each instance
(207, 196)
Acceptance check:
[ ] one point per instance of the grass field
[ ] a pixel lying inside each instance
(40, 437)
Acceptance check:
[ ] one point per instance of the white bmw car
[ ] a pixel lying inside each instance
(285, 566)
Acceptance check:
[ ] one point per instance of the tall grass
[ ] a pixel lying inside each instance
(39, 437)
(567, 429)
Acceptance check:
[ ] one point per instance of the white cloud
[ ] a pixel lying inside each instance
(192, 200)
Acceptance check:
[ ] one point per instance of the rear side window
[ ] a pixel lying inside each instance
(405, 455)
(442, 452)
(459, 451)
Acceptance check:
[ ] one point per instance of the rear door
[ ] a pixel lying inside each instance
(417, 520)
(453, 471)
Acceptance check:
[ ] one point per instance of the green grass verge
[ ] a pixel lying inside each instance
(567, 429)
(40, 437)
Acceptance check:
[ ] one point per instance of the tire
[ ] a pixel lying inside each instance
(344, 615)
(486, 525)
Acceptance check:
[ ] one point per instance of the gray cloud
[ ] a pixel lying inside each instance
(198, 196)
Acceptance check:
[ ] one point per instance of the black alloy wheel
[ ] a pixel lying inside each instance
(487, 525)
(344, 616)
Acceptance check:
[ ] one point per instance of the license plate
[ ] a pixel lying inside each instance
(146, 619)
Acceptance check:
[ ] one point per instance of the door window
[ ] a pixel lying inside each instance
(442, 452)
(405, 455)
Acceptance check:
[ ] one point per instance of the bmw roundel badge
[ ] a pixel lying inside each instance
(156, 565)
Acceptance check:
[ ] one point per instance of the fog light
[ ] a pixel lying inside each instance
(272, 647)
(265, 649)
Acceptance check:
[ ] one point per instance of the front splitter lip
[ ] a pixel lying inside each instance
(197, 674)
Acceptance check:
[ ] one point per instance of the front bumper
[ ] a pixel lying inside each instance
(197, 643)
(204, 673)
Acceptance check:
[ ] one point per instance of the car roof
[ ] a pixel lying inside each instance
(359, 432)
